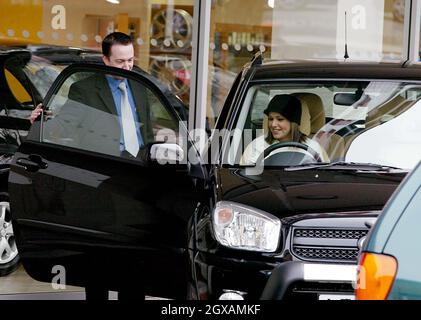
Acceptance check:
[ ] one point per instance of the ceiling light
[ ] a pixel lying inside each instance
(114, 1)
(271, 3)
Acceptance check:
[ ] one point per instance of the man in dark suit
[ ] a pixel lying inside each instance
(94, 115)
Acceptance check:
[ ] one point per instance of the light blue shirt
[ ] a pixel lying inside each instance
(116, 92)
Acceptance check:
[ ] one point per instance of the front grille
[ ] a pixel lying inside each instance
(329, 233)
(327, 254)
(304, 290)
(327, 244)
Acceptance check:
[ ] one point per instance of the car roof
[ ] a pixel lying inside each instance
(4, 49)
(6, 52)
(322, 69)
(54, 54)
(66, 55)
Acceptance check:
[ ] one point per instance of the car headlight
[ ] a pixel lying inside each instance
(242, 227)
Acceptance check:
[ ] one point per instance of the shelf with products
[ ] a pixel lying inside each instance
(171, 31)
(234, 45)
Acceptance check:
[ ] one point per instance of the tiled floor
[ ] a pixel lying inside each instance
(20, 282)
(20, 286)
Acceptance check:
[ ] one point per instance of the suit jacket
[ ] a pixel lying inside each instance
(89, 118)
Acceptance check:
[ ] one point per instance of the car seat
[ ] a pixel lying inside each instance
(331, 142)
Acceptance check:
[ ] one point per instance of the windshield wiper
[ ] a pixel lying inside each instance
(342, 165)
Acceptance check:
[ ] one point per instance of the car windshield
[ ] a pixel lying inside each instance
(373, 122)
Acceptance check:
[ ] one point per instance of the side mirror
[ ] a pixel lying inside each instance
(166, 153)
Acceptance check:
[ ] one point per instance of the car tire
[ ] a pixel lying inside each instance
(9, 257)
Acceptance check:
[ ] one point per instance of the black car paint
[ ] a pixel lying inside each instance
(125, 207)
(100, 211)
(16, 113)
(13, 61)
(175, 255)
(289, 196)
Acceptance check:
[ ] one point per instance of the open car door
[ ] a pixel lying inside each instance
(82, 205)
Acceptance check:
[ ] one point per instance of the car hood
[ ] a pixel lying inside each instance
(283, 193)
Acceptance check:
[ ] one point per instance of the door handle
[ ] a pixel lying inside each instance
(33, 163)
(38, 160)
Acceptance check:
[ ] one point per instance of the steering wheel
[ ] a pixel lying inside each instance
(290, 144)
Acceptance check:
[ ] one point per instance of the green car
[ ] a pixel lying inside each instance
(389, 267)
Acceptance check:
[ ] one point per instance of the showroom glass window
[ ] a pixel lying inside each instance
(300, 29)
(161, 32)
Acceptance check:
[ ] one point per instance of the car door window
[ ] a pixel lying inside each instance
(85, 113)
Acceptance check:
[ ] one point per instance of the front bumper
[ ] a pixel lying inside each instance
(309, 278)
(215, 276)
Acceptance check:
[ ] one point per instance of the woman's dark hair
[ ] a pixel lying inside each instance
(112, 39)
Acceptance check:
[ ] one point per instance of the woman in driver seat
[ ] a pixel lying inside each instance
(284, 113)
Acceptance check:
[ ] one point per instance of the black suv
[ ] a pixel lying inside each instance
(26, 74)
(14, 125)
(175, 223)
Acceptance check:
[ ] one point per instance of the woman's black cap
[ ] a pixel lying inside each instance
(287, 105)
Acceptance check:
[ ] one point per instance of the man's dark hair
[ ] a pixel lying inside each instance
(114, 38)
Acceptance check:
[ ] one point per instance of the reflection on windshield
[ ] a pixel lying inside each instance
(396, 142)
(42, 75)
(349, 121)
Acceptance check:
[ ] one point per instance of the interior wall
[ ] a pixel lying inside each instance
(82, 25)
(249, 12)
